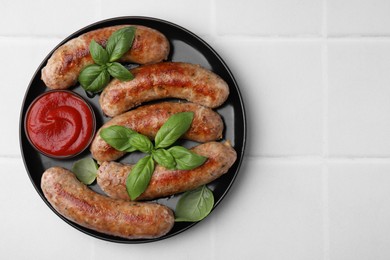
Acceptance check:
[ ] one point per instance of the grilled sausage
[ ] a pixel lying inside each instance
(164, 80)
(206, 126)
(221, 156)
(66, 63)
(76, 202)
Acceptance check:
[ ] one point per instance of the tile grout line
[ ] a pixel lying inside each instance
(213, 32)
(213, 18)
(99, 10)
(10, 157)
(93, 249)
(325, 214)
(213, 235)
(23, 37)
(283, 159)
(321, 158)
(325, 137)
(301, 37)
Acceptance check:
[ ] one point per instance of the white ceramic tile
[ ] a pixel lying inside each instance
(359, 107)
(359, 211)
(282, 89)
(29, 229)
(45, 18)
(23, 57)
(358, 17)
(276, 208)
(278, 17)
(274, 211)
(193, 15)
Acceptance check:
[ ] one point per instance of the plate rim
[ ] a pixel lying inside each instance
(88, 28)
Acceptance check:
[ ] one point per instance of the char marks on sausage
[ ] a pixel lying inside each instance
(221, 156)
(76, 202)
(206, 126)
(164, 80)
(66, 63)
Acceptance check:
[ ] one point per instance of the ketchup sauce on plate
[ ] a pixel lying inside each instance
(60, 124)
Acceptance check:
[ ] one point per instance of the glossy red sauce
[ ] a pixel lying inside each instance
(60, 124)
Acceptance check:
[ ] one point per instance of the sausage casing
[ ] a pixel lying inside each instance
(66, 63)
(206, 126)
(221, 156)
(76, 202)
(164, 80)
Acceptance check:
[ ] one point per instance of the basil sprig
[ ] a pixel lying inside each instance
(194, 205)
(177, 157)
(95, 77)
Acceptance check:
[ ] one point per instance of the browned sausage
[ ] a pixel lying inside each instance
(206, 126)
(66, 63)
(164, 80)
(76, 202)
(221, 156)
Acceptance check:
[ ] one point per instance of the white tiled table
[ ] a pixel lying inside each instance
(315, 78)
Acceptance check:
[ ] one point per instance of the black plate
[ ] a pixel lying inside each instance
(185, 47)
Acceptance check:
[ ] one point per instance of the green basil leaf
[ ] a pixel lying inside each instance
(164, 158)
(173, 129)
(141, 143)
(98, 53)
(85, 170)
(120, 42)
(118, 137)
(185, 159)
(118, 71)
(194, 205)
(94, 78)
(89, 74)
(138, 179)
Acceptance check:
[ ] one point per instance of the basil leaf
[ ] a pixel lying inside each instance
(120, 42)
(118, 137)
(85, 170)
(185, 159)
(194, 205)
(94, 78)
(138, 179)
(173, 129)
(98, 53)
(118, 71)
(89, 74)
(164, 158)
(141, 143)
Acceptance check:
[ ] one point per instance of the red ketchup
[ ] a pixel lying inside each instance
(60, 124)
